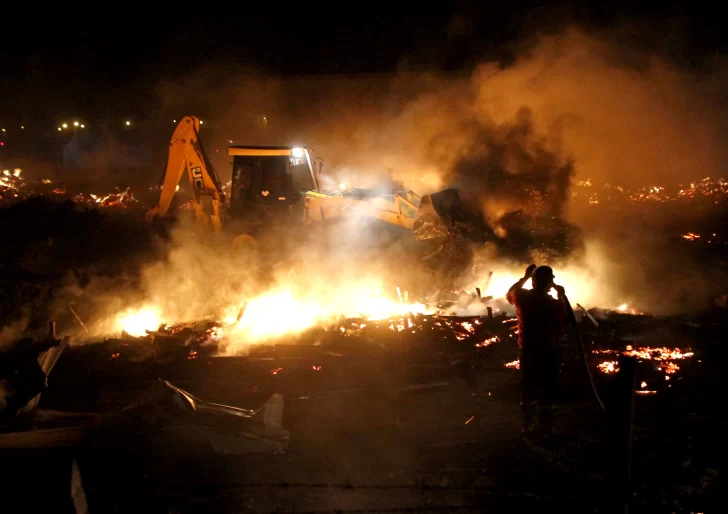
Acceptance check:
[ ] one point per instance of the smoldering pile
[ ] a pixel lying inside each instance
(520, 187)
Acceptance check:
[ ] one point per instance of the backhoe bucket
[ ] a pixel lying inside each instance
(443, 214)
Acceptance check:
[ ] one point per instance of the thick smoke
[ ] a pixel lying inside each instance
(509, 164)
(624, 123)
(510, 138)
(11, 333)
(192, 280)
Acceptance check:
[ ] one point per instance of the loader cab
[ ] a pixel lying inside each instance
(271, 179)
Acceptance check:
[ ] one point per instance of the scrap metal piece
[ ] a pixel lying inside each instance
(179, 414)
(588, 315)
(266, 437)
(47, 363)
(25, 372)
(78, 495)
(75, 315)
(196, 404)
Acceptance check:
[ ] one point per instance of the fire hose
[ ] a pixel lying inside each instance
(582, 350)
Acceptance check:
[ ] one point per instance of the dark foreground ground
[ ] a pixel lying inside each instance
(376, 433)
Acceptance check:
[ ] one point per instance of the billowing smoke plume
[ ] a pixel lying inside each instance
(510, 163)
(511, 137)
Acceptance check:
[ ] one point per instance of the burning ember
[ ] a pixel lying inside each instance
(669, 367)
(488, 342)
(690, 236)
(646, 353)
(608, 367)
(664, 357)
(643, 389)
(118, 198)
(625, 308)
(709, 188)
(13, 188)
(516, 364)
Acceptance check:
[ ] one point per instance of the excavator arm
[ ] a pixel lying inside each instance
(186, 153)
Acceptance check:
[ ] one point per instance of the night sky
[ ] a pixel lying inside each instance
(103, 64)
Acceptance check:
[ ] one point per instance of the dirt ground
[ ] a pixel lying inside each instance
(380, 435)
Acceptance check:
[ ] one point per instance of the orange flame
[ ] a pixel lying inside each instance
(136, 322)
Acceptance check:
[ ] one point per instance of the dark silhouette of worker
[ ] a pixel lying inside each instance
(540, 320)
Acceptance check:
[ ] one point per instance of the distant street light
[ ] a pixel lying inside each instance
(83, 126)
(59, 129)
(65, 125)
(75, 124)
(128, 123)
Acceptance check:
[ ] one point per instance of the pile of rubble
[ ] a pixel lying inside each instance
(14, 188)
(709, 188)
(656, 342)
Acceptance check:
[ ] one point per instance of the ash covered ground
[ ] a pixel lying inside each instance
(404, 413)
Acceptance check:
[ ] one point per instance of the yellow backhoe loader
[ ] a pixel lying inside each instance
(271, 186)
(280, 187)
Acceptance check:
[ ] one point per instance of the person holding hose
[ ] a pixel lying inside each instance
(540, 320)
